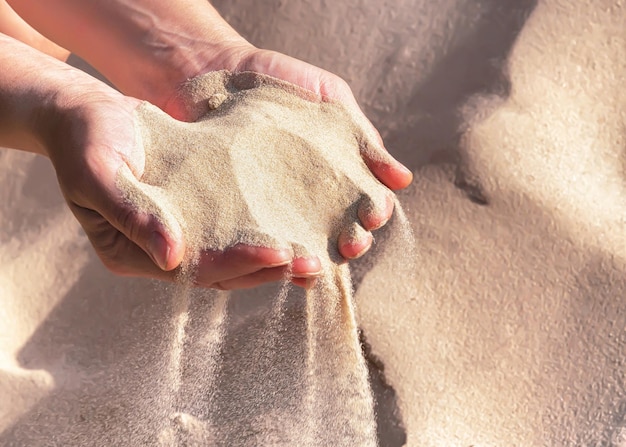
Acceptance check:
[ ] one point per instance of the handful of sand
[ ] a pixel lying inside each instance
(267, 164)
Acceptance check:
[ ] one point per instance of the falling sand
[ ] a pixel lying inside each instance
(267, 164)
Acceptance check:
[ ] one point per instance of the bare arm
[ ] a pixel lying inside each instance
(14, 26)
(146, 48)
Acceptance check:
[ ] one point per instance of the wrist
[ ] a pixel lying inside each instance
(61, 113)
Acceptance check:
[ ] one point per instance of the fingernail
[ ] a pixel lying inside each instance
(287, 256)
(305, 275)
(279, 264)
(363, 250)
(405, 170)
(158, 249)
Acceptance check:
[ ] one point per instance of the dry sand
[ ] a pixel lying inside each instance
(513, 331)
(284, 165)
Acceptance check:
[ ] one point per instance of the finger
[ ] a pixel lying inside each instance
(305, 283)
(327, 85)
(118, 253)
(306, 267)
(237, 261)
(354, 241)
(255, 279)
(385, 168)
(372, 215)
(389, 171)
(163, 242)
(164, 248)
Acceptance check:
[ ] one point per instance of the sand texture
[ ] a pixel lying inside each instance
(282, 164)
(512, 330)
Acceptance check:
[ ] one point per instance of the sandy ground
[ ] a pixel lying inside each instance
(511, 328)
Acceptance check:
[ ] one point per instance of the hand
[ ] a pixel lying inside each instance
(170, 44)
(243, 57)
(89, 138)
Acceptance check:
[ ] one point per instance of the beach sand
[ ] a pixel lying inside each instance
(510, 329)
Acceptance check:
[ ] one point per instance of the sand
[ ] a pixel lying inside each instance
(284, 165)
(511, 333)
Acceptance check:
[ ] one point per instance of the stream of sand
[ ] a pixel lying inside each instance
(287, 168)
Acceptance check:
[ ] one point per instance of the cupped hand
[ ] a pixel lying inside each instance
(90, 137)
(329, 87)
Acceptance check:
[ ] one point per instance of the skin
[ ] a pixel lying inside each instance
(87, 128)
(14, 26)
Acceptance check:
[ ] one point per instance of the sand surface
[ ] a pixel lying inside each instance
(513, 332)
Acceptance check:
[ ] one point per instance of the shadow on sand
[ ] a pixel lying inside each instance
(122, 317)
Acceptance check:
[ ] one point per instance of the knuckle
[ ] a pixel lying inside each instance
(110, 249)
(128, 220)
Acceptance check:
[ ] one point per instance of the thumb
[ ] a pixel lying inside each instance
(131, 208)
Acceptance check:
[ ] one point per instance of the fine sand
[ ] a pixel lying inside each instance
(285, 166)
(509, 330)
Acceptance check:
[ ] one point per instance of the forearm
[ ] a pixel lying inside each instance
(34, 88)
(14, 26)
(165, 42)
